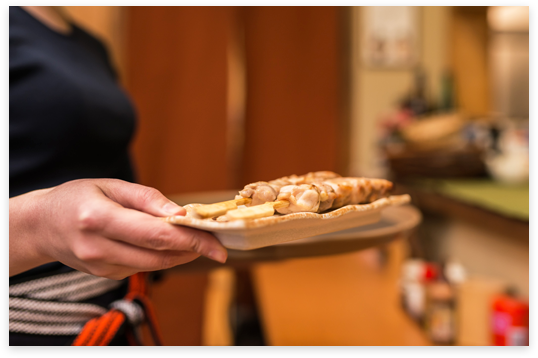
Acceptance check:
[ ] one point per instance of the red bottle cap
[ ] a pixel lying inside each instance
(431, 272)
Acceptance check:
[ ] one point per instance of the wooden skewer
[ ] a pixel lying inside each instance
(256, 212)
(217, 209)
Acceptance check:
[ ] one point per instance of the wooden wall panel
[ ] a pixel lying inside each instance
(179, 301)
(176, 74)
(293, 91)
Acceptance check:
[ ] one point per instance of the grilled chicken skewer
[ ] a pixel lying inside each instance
(313, 192)
(259, 193)
(335, 191)
(301, 198)
(262, 192)
(291, 198)
(317, 197)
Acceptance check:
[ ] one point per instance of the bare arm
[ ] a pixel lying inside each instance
(104, 227)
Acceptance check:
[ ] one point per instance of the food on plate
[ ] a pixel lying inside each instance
(315, 192)
(331, 194)
(301, 198)
(333, 190)
(262, 192)
(259, 193)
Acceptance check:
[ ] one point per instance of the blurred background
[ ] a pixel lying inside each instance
(435, 99)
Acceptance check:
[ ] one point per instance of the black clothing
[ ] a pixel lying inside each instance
(68, 119)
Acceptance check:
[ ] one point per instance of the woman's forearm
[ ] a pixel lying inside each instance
(24, 251)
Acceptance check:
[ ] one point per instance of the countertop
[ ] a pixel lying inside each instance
(482, 201)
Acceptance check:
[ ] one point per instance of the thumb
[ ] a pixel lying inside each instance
(140, 197)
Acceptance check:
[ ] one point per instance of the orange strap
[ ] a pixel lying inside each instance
(101, 330)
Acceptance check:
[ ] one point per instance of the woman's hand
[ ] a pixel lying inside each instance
(104, 227)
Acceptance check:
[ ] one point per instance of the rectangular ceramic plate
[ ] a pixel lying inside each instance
(278, 229)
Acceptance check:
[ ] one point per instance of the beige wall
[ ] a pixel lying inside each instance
(374, 91)
(488, 254)
(444, 37)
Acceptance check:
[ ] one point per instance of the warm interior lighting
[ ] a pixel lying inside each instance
(508, 18)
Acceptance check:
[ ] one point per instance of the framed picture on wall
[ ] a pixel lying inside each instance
(390, 36)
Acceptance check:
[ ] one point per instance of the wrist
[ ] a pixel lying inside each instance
(27, 249)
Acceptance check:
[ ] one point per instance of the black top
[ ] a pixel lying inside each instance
(68, 119)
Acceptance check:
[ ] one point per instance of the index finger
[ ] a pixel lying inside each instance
(140, 197)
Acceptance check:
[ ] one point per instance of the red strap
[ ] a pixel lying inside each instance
(101, 330)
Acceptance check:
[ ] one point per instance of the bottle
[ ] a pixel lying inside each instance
(440, 317)
(447, 92)
(416, 274)
(412, 289)
(454, 272)
(418, 103)
(510, 321)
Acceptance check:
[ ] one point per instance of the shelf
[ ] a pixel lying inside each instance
(481, 202)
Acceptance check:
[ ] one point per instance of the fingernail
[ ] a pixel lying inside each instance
(171, 208)
(218, 256)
